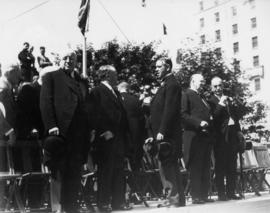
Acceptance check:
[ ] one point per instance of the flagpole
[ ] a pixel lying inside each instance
(84, 61)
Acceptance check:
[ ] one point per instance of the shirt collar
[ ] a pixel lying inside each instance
(107, 85)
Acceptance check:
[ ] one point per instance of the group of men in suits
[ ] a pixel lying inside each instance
(70, 111)
(206, 123)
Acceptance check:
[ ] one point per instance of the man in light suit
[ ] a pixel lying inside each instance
(111, 142)
(227, 134)
(64, 113)
(197, 139)
(165, 124)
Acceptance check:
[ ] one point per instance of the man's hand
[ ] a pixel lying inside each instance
(203, 124)
(160, 137)
(223, 100)
(54, 131)
(107, 135)
(12, 138)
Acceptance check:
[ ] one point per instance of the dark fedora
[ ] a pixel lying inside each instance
(165, 150)
(54, 145)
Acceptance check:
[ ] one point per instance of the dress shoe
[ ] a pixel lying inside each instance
(122, 208)
(197, 201)
(180, 204)
(234, 197)
(208, 200)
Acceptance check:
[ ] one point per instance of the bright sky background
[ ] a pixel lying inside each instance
(54, 24)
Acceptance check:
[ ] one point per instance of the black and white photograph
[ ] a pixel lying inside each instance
(134, 106)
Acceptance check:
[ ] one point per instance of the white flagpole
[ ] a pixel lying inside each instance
(84, 61)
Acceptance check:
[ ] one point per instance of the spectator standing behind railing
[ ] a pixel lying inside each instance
(197, 139)
(64, 113)
(227, 133)
(26, 62)
(43, 60)
(165, 123)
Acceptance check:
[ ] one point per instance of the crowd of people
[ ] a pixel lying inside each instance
(54, 104)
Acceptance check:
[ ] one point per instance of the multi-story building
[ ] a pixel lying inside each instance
(240, 28)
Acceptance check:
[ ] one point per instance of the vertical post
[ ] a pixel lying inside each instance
(84, 61)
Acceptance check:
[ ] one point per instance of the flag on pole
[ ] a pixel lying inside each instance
(143, 3)
(83, 16)
(164, 29)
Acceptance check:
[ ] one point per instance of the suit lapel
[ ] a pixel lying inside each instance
(70, 83)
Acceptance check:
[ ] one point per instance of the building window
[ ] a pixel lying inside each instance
(202, 39)
(201, 22)
(235, 47)
(257, 84)
(218, 52)
(217, 17)
(253, 22)
(254, 42)
(234, 11)
(236, 65)
(235, 29)
(201, 5)
(256, 61)
(218, 37)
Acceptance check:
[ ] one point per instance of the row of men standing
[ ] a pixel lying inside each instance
(206, 124)
(69, 111)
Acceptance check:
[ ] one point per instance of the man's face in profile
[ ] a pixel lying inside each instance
(161, 69)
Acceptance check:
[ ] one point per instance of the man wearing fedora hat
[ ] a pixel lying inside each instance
(64, 113)
(165, 124)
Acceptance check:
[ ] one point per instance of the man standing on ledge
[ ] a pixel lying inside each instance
(62, 102)
(165, 124)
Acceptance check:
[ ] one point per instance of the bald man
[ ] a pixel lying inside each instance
(197, 140)
(227, 133)
(64, 113)
(111, 142)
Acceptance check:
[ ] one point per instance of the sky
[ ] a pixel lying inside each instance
(54, 23)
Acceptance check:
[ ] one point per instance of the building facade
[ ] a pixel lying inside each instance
(239, 29)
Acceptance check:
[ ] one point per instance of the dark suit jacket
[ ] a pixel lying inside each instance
(108, 114)
(165, 112)
(59, 99)
(25, 59)
(221, 116)
(7, 99)
(136, 120)
(29, 115)
(194, 110)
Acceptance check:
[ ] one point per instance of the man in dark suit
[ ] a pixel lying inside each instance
(165, 123)
(136, 120)
(8, 110)
(197, 139)
(64, 113)
(227, 134)
(111, 143)
(8, 82)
